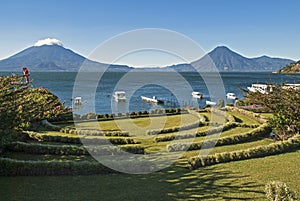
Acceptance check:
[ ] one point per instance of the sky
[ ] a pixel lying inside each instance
(252, 28)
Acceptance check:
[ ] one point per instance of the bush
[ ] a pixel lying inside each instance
(14, 167)
(278, 191)
(35, 148)
(212, 131)
(174, 129)
(256, 152)
(250, 114)
(77, 140)
(262, 131)
(100, 116)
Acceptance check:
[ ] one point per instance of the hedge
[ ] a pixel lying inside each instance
(256, 152)
(13, 167)
(260, 132)
(35, 148)
(215, 130)
(94, 132)
(77, 140)
(175, 129)
(250, 114)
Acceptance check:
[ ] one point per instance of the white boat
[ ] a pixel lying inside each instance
(261, 88)
(231, 96)
(197, 94)
(211, 103)
(291, 86)
(152, 100)
(120, 96)
(77, 101)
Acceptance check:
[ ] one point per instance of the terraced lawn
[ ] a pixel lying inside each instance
(241, 180)
(244, 119)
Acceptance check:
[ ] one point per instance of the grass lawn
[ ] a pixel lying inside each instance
(142, 124)
(242, 180)
(243, 118)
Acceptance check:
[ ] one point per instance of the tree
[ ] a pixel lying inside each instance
(284, 103)
(21, 105)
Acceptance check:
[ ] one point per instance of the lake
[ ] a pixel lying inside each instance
(175, 88)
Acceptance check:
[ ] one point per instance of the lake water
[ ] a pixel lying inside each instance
(163, 85)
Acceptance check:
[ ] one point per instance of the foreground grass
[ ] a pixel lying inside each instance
(242, 180)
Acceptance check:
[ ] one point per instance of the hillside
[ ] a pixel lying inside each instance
(55, 57)
(225, 59)
(291, 68)
(52, 58)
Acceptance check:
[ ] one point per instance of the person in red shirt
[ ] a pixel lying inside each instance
(26, 75)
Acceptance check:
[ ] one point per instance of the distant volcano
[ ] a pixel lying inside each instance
(225, 59)
(50, 55)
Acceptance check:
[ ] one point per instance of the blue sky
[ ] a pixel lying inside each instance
(252, 28)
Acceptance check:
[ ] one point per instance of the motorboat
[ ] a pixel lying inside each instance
(197, 94)
(152, 100)
(231, 96)
(210, 103)
(77, 101)
(261, 88)
(120, 96)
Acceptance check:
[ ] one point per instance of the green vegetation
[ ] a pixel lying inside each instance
(277, 190)
(235, 169)
(284, 103)
(292, 68)
(22, 107)
(241, 180)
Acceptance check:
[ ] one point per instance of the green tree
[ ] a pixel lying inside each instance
(284, 103)
(21, 105)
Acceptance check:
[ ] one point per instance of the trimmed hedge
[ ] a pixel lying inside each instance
(94, 132)
(13, 167)
(77, 140)
(218, 129)
(175, 129)
(256, 152)
(35, 148)
(250, 114)
(260, 132)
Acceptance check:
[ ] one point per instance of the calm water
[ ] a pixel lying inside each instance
(149, 84)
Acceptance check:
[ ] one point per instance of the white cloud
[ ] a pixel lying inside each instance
(48, 41)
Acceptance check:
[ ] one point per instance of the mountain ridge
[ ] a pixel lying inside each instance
(224, 59)
(58, 58)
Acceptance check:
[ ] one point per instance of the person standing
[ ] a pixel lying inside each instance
(26, 74)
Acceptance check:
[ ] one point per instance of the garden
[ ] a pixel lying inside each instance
(41, 141)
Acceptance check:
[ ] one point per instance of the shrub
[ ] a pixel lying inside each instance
(177, 110)
(100, 116)
(77, 140)
(279, 191)
(14, 167)
(35, 148)
(262, 131)
(256, 152)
